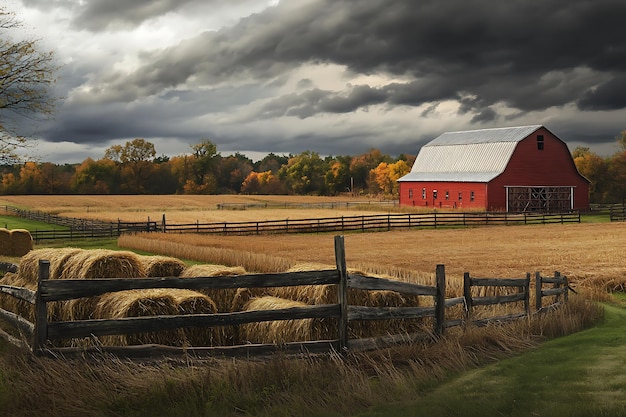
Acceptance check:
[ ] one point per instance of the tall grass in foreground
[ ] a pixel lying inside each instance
(279, 385)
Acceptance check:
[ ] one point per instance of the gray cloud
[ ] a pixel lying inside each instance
(522, 61)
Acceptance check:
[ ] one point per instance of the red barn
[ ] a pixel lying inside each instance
(513, 169)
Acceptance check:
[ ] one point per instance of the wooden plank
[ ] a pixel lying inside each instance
(440, 300)
(498, 299)
(18, 322)
(389, 313)
(467, 294)
(538, 295)
(8, 267)
(498, 282)
(59, 290)
(555, 280)
(373, 343)
(553, 291)
(190, 353)
(129, 325)
(14, 340)
(363, 282)
(451, 302)
(342, 293)
(40, 337)
(18, 292)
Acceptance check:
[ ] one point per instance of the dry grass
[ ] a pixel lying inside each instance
(181, 208)
(582, 252)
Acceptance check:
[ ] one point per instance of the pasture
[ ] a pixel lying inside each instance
(591, 255)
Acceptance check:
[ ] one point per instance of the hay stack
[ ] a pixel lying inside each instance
(283, 331)
(139, 303)
(162, 266)
(103, 263)
(224, 297)
(5, 242)
(21, 242)
(193, 302)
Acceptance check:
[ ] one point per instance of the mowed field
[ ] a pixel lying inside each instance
(188, 208)
(587, 251)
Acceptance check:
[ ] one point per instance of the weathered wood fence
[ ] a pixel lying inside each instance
(42, 333)
(75, 228)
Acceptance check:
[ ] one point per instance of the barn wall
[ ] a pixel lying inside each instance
(411, 194)
(529, 166)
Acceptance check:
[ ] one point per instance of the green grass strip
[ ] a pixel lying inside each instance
(583, 374)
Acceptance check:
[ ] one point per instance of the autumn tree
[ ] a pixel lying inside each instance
(595, 169)
(337, 177)
(135, 158)
(304, 174)
(362, 165)
(96, 177)
(262, 183)
(26, 77)
(231, 171)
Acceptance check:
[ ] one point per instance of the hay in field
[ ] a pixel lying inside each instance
(5, 242)
(223, 297)
(162, 266)
(21, 242)
(193, 302)
(139, 303)
(103, 263)
(283, 331)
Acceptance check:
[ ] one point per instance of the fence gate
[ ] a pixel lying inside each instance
(541, 199)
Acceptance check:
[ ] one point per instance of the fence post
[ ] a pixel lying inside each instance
(527, 294)
(538, 290)
(163, 226)
(467, 294)
(557, 275)
(342, 293)
(41, 316)
(566, 293)
(440, 300)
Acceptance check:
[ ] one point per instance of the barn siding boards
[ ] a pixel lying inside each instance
(477, 169)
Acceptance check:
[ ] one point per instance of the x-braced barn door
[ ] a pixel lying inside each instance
(539, 199)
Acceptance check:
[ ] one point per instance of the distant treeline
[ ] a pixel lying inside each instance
(134, 168)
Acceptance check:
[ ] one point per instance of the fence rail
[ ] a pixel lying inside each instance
(43, 333)
(85, 229)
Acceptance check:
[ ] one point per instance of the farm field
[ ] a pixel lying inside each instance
(589, 254)
(186, 208)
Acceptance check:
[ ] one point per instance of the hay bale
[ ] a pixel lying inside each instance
(5, 242)
(283, 331)
(103, 263)
(193, 302)
(162, 266)
(222, 297)
(139, 303)
(21, 242)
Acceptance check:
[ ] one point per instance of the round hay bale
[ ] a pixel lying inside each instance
(5, 242)
(103, 263)
(162, 266)
(139, 303)
(21, 242)
(193, 302)
(223, 297)
(283, 331)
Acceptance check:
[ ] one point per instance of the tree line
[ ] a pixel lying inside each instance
(134, 168)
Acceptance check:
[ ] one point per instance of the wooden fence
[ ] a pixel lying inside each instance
(82, 229)
(42, 333)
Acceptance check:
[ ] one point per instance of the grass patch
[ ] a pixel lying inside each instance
(583, 374)
(13, 222)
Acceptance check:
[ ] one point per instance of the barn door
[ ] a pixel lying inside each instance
(539, 199)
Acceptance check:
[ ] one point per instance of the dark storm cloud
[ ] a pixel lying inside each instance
(528, 55)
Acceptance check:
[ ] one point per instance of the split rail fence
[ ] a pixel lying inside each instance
(43, 332)
(81, 229)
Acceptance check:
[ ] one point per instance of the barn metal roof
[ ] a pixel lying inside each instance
(467, 156)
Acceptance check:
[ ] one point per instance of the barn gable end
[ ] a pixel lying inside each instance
(524, 168)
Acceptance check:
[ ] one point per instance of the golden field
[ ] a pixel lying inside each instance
(185, 208)
(580, 251)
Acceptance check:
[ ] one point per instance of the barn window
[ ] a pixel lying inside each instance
(540, 142)
(460, 196)
(471, 195)
(447, 195)
(435, 194)
(410, 193)
(423, 193)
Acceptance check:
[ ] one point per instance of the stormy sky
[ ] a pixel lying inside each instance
(337, 77)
